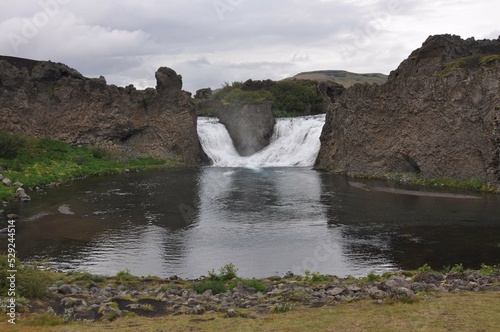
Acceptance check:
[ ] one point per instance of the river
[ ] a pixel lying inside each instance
(267, 215)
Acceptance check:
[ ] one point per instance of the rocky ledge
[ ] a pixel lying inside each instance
(110, 299)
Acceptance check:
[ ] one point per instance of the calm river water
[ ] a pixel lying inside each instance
(266, 221)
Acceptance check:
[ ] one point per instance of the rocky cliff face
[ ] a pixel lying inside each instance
(438, 115)
(46, 99)
(250, 126)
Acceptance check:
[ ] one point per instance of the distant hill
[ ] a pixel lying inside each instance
(342, 77)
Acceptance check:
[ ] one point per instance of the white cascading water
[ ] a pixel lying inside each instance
(295, 142)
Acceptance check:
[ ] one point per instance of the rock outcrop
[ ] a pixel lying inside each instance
(249, 125)
(47, 99)
(438, 115)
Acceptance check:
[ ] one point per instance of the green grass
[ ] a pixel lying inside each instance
(217, 286)
(39, 162)
(125, 275)
(31, 282)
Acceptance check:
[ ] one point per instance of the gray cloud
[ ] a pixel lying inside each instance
(212, 41)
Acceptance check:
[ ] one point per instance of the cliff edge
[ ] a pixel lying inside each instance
(438, 115)
(47, 99)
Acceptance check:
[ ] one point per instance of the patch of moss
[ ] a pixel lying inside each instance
(468, 62)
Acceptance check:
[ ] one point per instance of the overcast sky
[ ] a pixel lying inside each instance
(210, 42)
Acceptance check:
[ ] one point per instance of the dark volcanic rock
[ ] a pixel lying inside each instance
(250, 126)
(46, 99)
(438, 115)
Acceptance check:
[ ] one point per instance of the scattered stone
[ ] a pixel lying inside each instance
(231, 313)
(108, 302)
(376, 293)
(198, 310)
(70, 302)
(22, 196)
(354, 288)
(7, 182)
(429, 278)
(242, 289)
(12, 216)
(336, 291)
(65, 289)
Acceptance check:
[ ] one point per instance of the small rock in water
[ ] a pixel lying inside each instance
(22, 196)
(64, 209)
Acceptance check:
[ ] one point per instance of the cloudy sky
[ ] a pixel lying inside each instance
(210, 42)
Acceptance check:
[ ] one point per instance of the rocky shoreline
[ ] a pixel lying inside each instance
(111, 298)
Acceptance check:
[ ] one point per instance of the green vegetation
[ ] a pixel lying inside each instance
(217, 286)
(468, 62)
(489, 270)
(459, 268)
(217, 282)
(38, 162)
(287, 97)
(124, 275)
(226, 273)
(225, 280)
(314, 276)
(31, 281)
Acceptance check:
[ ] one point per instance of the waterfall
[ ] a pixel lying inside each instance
(295, 142)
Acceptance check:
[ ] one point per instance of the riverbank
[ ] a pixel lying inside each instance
(223, 300)
(416, 180)
(32, 163)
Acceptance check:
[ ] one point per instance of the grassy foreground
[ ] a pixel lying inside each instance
(445, 312)
(40, 162)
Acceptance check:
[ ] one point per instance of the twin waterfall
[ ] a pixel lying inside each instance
(295, 142)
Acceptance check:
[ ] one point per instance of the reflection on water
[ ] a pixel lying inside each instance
(264, 220)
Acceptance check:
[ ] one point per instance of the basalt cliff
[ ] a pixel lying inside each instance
(47, 99)
(438, 115)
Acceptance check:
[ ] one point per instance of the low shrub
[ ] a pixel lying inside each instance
(31, 282)
(217, 286)
(124, 275)
(10, 145)
(227, 272)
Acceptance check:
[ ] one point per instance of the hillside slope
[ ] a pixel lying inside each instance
(342, 77)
